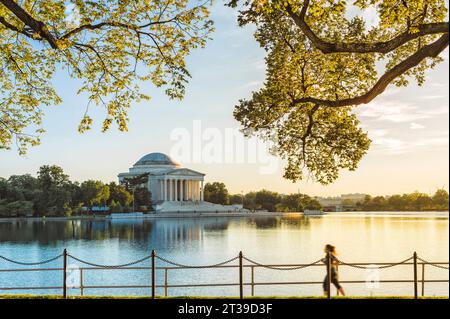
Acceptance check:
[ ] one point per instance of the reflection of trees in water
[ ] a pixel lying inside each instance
(162, 231)
(48, 233)
(278, 222)
(298, 221)
(158, 230)
(217, 224)
(263, 222)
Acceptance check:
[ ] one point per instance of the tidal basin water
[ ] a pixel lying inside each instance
(359, 237)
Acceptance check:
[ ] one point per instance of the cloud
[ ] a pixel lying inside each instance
(390, 144)
(416, 126)
(433, 97)
(437, 141)
(394, 146)
(393, 90)
(392, 112)
(440, 110)
(402, 117)
(400, 112)
(438, 84)
(379, 132)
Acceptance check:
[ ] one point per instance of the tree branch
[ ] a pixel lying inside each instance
(38, 26)
(430, 51)
(363, 47)
(309, 128)
(110, 24)
(13, 27)
(41, 29)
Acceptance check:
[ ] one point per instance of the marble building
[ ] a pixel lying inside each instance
(174, 188)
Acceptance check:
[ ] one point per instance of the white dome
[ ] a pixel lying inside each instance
(156, 159)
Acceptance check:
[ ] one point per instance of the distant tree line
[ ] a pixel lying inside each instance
(274, 202)
(52, 193)
(407, 202)
(261, 200)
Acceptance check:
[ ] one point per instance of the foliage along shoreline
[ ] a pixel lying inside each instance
(275, 202)
(52, 194)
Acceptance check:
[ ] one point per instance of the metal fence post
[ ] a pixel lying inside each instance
(253, 280)
(241, 277)
(166, 282)
(153, 275)
(415, 275)
(423, 279)
(328, 283)
(65, 273)
(81, 282)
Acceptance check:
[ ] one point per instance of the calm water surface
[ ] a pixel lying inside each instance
(359, 237)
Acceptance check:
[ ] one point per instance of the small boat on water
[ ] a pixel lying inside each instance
(311, 212)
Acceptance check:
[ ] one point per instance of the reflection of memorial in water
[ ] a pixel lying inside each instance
(186, 229)
(155, 230)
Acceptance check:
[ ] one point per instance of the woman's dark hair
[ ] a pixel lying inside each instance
(331, 249)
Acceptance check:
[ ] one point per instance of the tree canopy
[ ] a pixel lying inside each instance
(407, 202)
(110, 47)
(216, 193)
(52, 193)
(134, 182)
(94, 193)
(297, 203)
(275, 202)
(324, 59)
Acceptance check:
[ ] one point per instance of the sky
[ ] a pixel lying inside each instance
(409, 128)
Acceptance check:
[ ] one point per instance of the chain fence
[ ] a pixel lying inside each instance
(283, 268)
(425, 262)
(38, 263)
(109, 266)
(167, 261)
(358, 266)
(414, 260)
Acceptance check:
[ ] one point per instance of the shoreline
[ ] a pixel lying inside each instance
(214, 214)
(155, 216)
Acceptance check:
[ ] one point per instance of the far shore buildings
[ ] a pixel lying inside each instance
(174, 188)
(341, 203)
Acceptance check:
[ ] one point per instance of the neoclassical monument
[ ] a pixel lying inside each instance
(173, 188)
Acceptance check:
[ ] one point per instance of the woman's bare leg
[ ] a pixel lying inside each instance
(341, 291)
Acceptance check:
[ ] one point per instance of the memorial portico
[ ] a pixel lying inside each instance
(167, 180)
(180, 188)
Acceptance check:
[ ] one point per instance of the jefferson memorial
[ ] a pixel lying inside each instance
(173, 187)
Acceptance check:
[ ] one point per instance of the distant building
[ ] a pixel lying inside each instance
(174, 188)
(345, 202)
(356, 197)
(167, 180)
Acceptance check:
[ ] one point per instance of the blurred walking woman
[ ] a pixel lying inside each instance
(334, 271)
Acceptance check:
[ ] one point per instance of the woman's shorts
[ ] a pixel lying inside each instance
(334, 281)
